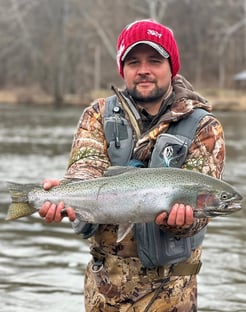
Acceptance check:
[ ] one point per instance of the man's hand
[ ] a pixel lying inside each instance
(179, 215)
(52, 212)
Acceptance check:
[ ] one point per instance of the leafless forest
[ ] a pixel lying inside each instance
(68, 46)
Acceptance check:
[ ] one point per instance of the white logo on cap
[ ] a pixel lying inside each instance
(154, 33)
(119, 52)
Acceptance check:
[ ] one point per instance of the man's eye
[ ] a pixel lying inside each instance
(132, 62)
(157, 61)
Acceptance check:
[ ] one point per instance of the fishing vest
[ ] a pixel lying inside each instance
(155, 246)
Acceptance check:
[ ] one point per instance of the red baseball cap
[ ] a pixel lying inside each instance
(156, 35)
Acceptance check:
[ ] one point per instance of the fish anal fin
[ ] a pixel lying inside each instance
(123, 230)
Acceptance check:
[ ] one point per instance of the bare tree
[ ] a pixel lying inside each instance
(69, 46)
(15, 35)
(245, 33)
(228, 33)
(155, 9)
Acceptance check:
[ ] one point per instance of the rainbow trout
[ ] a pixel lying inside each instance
(128, 196)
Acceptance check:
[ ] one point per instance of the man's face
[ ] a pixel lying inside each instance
(147, 74)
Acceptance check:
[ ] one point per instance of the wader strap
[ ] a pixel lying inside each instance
(183, 269)
(156, 294)
(179, 269)
(98, 259)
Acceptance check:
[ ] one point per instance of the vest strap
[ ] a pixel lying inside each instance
(182, 269)
(147, 274)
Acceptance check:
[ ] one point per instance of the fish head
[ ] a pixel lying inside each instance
(213, 203)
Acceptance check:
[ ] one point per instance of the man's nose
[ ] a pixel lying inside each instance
(143, 68)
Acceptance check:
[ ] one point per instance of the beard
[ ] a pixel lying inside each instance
(154, 96)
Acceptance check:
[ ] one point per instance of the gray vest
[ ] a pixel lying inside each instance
(155, 246)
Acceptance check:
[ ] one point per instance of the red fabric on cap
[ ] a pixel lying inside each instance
(148, 30)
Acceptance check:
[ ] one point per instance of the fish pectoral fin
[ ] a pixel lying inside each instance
(116, 170)
(123, 230)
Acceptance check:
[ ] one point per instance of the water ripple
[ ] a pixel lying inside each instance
(42, 266)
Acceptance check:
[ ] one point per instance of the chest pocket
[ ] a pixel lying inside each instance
(119, 139)
(169, 151)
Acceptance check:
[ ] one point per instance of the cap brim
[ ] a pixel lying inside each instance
(154, 45)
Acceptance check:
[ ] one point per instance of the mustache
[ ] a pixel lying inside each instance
(144, 79)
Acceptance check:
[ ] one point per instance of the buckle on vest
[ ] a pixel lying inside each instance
(97, 266)
(183, 269)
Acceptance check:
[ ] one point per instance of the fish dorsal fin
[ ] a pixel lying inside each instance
(116, 170)
(123, 230)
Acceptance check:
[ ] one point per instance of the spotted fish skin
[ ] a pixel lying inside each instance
(133, 195)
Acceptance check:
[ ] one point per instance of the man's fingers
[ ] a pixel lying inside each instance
(179, 215)
(50, 215)
(53, 213)
(47, 184)
(189, 215)
(71, 214)
(173, 215)
(44, 209)
(160, 218)
(58, 217)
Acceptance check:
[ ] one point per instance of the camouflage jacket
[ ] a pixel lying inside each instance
(89, 156)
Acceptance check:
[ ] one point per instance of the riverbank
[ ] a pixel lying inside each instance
(222, 100)
(226, 100)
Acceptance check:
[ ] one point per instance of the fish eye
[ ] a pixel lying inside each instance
(224, 196)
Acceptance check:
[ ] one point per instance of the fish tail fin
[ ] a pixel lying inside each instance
(20, 206)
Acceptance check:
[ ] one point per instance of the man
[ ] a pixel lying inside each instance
(127, 276)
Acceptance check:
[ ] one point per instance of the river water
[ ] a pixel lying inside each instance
(42, 266)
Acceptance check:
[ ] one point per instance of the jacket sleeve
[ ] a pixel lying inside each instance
(88, 157)
(206, 155)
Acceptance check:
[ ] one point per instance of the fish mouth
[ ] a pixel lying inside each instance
(225, 209)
